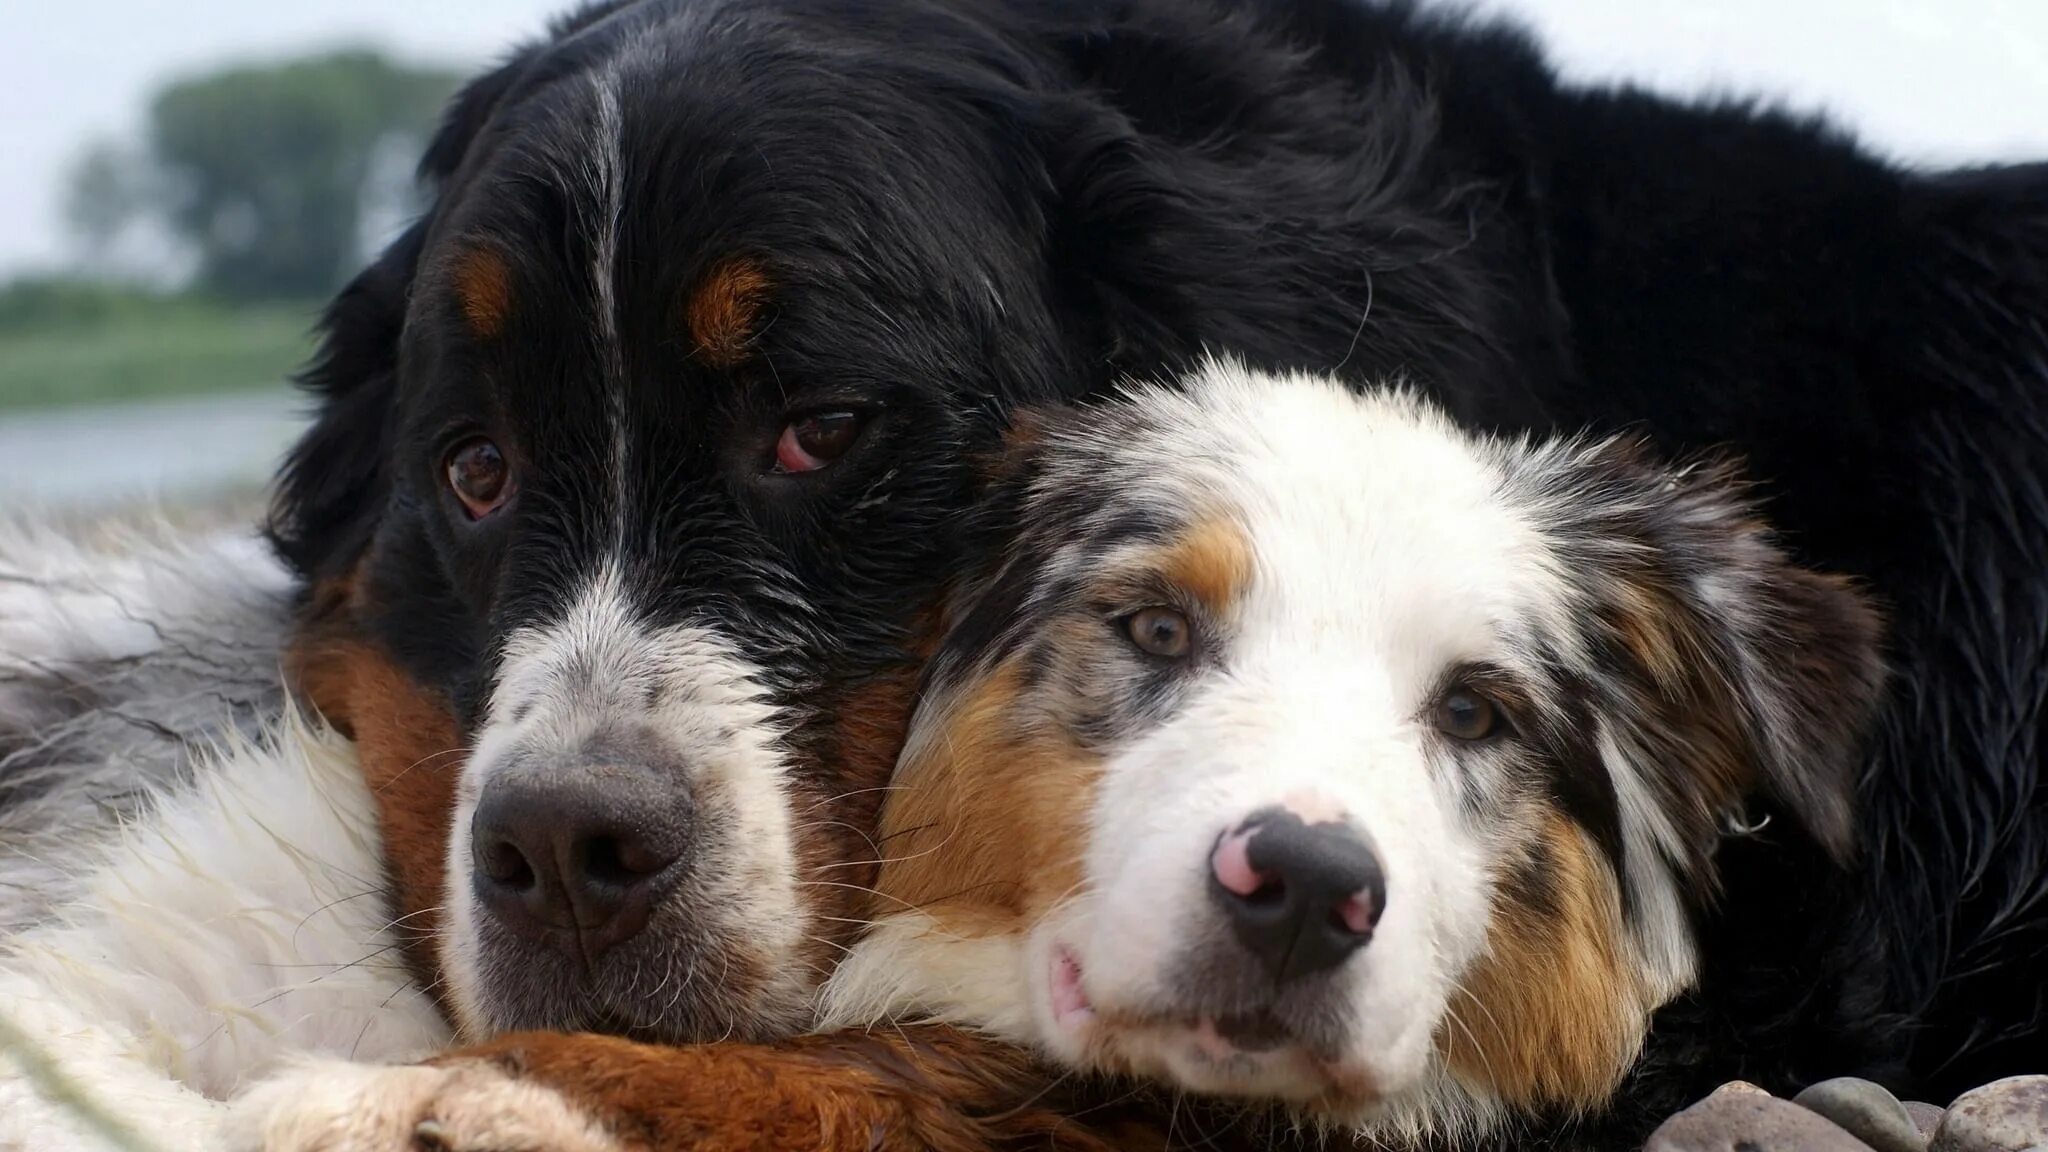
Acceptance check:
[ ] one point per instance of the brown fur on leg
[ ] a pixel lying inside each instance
(920, 1087)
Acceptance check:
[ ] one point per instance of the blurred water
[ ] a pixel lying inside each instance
(167, 451)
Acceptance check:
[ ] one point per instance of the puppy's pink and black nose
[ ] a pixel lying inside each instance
(1300, 897)
(578, 854)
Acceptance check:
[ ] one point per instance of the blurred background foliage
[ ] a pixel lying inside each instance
(205, 247)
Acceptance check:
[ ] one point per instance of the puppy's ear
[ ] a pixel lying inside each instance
(1748, 655)
(1814, 679)
(334, 482)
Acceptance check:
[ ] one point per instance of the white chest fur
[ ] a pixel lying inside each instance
(182, 906)
(239, 922)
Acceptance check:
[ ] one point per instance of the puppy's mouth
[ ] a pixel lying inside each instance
(1255, 1052)
(1071, 1007)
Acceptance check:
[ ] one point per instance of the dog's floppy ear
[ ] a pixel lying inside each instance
(333, 483)
(1814, 678)
(1173, 250)
(1749, 655)
(1211, 184)
(1116, 221)
(1142, 224)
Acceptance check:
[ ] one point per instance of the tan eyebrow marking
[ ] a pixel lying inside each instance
(1212, 561)
(724, 312)
(483, 287)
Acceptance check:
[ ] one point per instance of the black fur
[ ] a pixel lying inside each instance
(965, 205)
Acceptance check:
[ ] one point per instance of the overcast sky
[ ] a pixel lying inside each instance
(1924, 80)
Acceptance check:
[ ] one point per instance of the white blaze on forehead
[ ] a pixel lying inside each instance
(608, 209)
(598, 666)
(600, 190)
(590, 175)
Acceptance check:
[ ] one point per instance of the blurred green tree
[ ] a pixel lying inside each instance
(104, 194)
(266, 172)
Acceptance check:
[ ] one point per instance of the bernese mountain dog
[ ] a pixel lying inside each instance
(640, 457)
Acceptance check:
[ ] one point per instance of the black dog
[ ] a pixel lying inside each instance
(639, 455)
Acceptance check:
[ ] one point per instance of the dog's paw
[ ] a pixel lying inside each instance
(335, 1106)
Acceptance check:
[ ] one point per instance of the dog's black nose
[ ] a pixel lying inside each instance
(1301, 897)
(579, 853)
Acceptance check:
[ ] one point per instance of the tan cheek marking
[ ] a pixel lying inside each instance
(409, 745)
(483, 287)
(1550, 1015)
(987, 829)
(836, 819)
(725, 310)
(1212, 561)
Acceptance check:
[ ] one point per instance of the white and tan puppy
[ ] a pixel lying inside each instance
(1300, 745)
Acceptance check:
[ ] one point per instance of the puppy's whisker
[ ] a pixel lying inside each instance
(421, 762)
(814, 806)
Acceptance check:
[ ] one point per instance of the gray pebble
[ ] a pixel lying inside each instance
(1748, 1121)
(1866, 1111)
(1926, 1117)
(2004, 1116)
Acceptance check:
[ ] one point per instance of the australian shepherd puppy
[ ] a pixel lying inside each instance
(1302, 746)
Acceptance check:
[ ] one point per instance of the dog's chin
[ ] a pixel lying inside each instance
(692, 989)
(1278, 1056)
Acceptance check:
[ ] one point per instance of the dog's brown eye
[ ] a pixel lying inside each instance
(814, 441)
(1466, 715)
(1160, 632)
(479, 477)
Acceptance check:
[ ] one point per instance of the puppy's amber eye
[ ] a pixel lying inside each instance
(1160, 632)
(814, 441)
(1464, 714)
(479, 476)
